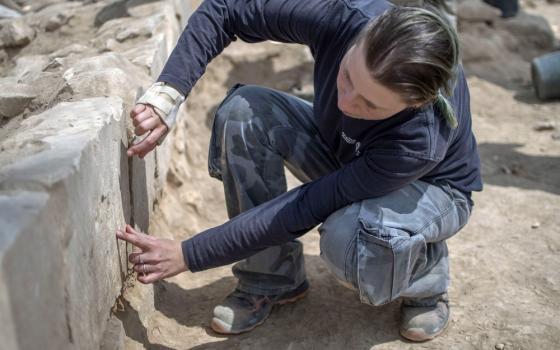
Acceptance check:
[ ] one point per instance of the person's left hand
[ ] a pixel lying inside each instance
(156, 259)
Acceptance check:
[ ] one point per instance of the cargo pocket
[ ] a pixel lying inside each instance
(387, 261)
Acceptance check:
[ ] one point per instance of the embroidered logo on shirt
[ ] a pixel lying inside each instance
(351, 141)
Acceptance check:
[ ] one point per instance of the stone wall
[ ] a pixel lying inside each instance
(68, 81)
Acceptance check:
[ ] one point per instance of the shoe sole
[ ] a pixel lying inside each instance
(221, 327)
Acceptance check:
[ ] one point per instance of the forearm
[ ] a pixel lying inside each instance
(216, 23)
(203, 38)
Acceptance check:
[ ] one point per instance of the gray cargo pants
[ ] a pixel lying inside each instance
(383, 247)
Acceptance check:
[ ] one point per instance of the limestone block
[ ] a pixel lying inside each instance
(143, 189)
(144, 28)
(69, 50)
(111, 11)
(14, 98)
(7, 331)
(109, 74)
(29, 254)
(183, 9)
(150, 54)
(37, 5)
(54, 16)
(15, 33)
(164, 22)
(113, 337)
(75, 152)
(123, 29)
(28, 68)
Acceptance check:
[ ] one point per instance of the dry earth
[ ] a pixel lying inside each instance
(506, 282)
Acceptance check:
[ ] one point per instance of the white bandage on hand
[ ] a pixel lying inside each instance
(165, 100)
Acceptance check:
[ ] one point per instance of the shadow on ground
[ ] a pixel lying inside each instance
(318, 321)
(134, 329)
(504, 165)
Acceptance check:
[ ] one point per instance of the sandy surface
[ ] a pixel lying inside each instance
(505, 277)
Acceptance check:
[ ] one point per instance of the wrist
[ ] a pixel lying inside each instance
(165, 101)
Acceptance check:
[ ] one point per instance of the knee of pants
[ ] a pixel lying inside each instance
(232, 121)
(239, 104)
(338, 243)
(234, 107)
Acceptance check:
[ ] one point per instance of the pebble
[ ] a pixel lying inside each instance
(535, 225)
(56, 21)
(544, 126)
(500, 346)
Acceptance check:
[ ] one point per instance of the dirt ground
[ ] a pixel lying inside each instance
(505, 289)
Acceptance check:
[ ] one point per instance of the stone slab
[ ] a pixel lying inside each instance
(75, 154)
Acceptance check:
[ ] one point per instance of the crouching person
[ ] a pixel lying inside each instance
(385, 151)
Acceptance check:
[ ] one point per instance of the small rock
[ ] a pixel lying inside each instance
(505, 170)
(14, 98)
(477, 11)
(15, 33)
(114, 10)
(37, 5)
(109, 74)
(531, 31)
(28, 68)
(68, 50)
(56, 21)
(535, 225)
(544, 126)
(500, 346)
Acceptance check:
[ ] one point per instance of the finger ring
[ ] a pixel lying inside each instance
(144, 269)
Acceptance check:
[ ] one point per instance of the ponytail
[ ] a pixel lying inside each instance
(446, 110)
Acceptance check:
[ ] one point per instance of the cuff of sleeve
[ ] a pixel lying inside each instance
(188, 255)
(177, 84)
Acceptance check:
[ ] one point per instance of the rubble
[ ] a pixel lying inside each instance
(14, 98)
(64, 131)
(15, 33)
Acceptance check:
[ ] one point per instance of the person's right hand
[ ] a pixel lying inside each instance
(146, 120)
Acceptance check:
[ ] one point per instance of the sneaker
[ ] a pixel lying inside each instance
(424, 319)
(241, 312)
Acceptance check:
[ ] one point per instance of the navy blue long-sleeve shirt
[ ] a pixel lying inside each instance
(384, 155)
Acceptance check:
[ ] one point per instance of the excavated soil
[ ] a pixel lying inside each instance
(505, 291)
